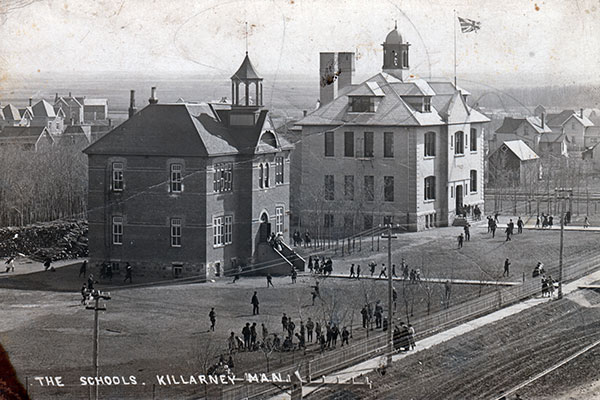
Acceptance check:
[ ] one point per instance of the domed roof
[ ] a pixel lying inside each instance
(393, 37)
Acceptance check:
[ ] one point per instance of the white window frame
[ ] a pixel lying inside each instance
(117, 230)
(222, 230)
(175, 232)
(117, 176)
(279, 170)
(279, 219)
(223, 177)
(176, 178)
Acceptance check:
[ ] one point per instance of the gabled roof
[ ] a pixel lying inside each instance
(560, 118)
(520, 149)
(536, 124)
(510, 125)
(246, 70)
(11, 113)
(178, 130)
(43, 109)
(392, 109)
(583, 121)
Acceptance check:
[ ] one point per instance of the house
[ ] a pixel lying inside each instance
(31, 138)
(192, 190)
(529, 129)
(77, 136)
(574, 125)
(95, 109)
(513, 164)
(71, 107)
(12, 116)
(44, 115)
(394, 149)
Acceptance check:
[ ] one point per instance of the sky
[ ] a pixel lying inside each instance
(553, 41)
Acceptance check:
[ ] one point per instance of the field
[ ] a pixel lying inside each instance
(162, 329)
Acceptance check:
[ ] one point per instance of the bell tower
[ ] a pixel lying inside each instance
(395, 54)
(246, 86)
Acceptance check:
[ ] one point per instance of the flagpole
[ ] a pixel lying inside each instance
(454, 48)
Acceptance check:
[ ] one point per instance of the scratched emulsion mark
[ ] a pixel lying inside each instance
(330, 74)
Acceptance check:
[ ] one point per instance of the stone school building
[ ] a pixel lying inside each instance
(186, 189)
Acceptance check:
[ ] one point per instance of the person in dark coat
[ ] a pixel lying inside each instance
(284, 322)
(246, 335)
(255, 304)
(128, 273)
(213, 318)
(506, 267)
(269, 280)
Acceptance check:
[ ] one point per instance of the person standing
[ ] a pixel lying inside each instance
(372, 266)
(365, 316)
(83, 293)
(246, 335)
(310, 325)
(493, 228)
(460, 241)
(519, 225)
(345, 336)
(265, 332)
(270, 280)
(255, 304)
(411, 337)
(90, 282)
(253, 335)
(506, 268)
(213, 318)
(294, 275)
(537, 221)
(358, 272)
(47, 263)
(586, 222)
(394, 271)
(352, 271)
(467, 232)
(508, 233)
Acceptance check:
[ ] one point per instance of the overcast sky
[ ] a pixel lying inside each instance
(553, 41)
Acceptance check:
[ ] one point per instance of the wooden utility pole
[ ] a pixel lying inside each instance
(96, 295)
(562, 194)
(390, 326)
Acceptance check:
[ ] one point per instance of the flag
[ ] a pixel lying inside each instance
(468, 25)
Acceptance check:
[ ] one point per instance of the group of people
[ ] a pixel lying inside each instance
(276, 241)
(467, 210)
(298, 239)
(322, 267)
(546, 221)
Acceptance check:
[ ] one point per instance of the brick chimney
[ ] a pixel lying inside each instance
(304, 113)
(30, 101)
(153, 99)
(581, 113)
(345, 62)
(543, 119)
(132, 109)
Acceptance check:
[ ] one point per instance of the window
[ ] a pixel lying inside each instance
(267, 175)
(349, 187)
(459, 143)
(278, 219)
(405, 59)
(367, 221)
(176, 185)
(473, 139)
(348, 144)
(369, 188)
(426, 104)
(117, 176)
(117, 230)
(368, 144)
(430, 188)
(261, 174)
(223, 177)
(329, 144)
(388, 188)
(175, 232)
(278, 170)
(388, 144)
(222, 230)
(329, 188)
(430, 144)
(473, 181)
(362, 104)
(525, 130)
(328, 220)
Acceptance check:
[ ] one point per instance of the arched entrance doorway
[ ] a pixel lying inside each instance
(265, 227)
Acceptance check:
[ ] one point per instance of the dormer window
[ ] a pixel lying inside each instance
(362, 104)
(427, 104)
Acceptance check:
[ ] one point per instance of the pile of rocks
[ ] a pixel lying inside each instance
(56, 240)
